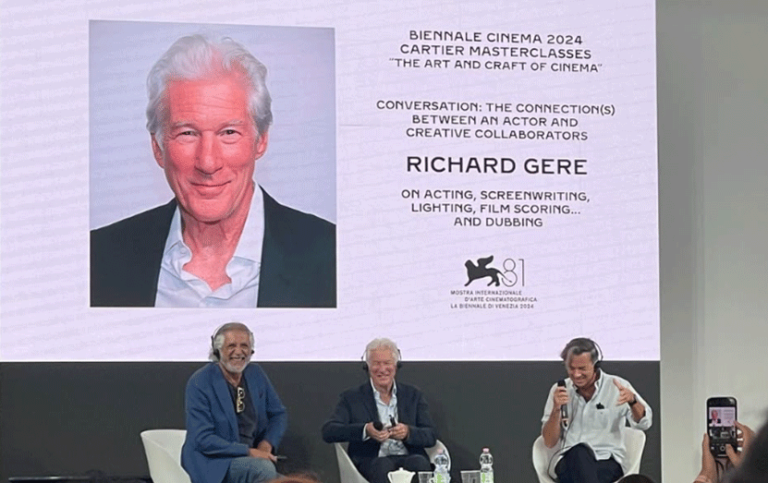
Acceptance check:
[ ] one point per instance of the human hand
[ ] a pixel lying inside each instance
(625, 395)
(743, 441)
(377, 435)
(560, 397)
(708, 466)
(399, 431)
(260, 453)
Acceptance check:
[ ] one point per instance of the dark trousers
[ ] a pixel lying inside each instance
(580, 466)
(375, 470)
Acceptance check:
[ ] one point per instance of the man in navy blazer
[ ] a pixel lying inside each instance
(298, 261)
(221, 241)
(387, 424)
(234, 417)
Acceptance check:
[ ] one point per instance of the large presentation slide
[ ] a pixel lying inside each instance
(487, 170)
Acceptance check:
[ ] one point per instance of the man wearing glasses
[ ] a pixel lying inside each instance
(387, 424)
(234, 417)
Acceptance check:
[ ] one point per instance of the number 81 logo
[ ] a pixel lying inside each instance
(514, 272)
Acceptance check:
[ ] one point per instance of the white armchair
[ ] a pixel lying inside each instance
(163, 450)
(634, 439)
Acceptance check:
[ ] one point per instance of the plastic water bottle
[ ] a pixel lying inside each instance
(442, 467)
(486, 466)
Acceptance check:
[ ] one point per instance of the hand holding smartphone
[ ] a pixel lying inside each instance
(721, 425)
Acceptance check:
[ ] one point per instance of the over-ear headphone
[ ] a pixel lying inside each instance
(580, 345)
(215, 354)
(598, 355)
(382, 344)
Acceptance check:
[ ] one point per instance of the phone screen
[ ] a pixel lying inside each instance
(721, 426)
(722, 417)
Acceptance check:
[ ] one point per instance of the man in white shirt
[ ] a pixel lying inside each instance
(220, 242)
(598, 405)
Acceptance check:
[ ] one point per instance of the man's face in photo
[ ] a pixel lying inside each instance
(210, 145)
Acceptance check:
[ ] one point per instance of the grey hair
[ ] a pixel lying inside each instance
(198, 57)
(579, 346)
(217, 339)
(382, 343)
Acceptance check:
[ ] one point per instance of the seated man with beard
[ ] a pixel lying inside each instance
(234, 417)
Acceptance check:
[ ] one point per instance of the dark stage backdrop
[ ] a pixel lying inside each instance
(71, 418)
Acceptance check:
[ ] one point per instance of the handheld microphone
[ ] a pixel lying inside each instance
(564, 407)
(378, 426)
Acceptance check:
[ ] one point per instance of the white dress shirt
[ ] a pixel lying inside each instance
(178, 288)
(387, 412)
(598, 422)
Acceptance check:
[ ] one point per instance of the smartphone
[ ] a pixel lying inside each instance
(721, 424)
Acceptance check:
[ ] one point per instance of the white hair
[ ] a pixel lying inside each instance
(217, 339)
(379, 344)
(198, 57)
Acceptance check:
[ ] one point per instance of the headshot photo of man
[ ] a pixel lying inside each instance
(223, 240)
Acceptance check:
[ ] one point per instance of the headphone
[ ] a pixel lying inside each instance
(396, 352)
(582, 345)
(215, 354)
